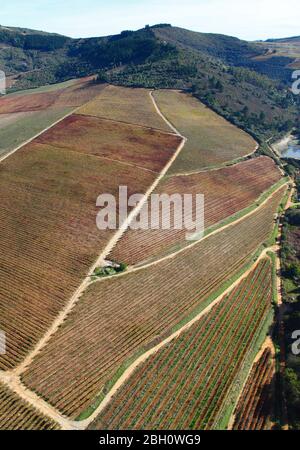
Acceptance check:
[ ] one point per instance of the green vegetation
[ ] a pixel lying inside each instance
(290, 260)
(219, 70)
(26, 125)
(108, 271)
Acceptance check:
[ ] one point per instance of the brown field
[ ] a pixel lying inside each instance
(48, 234)
(25, 114)
(126, 105)
(118, 317)
(33, 102)
(212, 140)
(71, 96)
(254, 408)
(15, 414)
(149, 149)
(186, 384)
(226, 191)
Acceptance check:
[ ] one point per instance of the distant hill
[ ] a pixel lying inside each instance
(244, 81)
(288, 39)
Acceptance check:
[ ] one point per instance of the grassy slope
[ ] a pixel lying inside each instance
(210, 139)
(126, 105)
(24, 127)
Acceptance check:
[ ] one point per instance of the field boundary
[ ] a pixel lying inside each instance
(133, 124)
(254, 209)
(11, 152)
(267, 344)
(13, 381)
(12, 378)
(99, 261)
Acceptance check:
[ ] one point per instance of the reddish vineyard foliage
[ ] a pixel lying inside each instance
(184, 385)
(48, 234)
(15, 414)
(74, 95)
(255, 404)
(226, 191)
(142, 147)
(117, 317)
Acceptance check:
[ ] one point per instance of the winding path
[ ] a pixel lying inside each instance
(12, 378)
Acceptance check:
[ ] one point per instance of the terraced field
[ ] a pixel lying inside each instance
(186, 384)
(212, 140)
(254, 408)
(118, 317)
(226, 191)
(125, 105)
(15, 414)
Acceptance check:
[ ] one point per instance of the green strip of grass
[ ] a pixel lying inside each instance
(229, 406)
(108, 386)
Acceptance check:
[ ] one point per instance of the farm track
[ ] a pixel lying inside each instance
(41, 404)
(227, 193)
(12, 378)
(74, 299)
(140, 303)
(168, 387)
(176, 253)
(247, 404)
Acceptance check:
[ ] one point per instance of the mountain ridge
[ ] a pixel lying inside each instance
(233, 77)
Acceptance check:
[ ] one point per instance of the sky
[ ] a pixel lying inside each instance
(246, 19)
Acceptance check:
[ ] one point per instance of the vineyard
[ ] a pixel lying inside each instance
(118, 317)
(16, 414)
(184, 385)
(24, 115)
(226, 191)
(255, 405)
(48, 233)
(125, 105)
(142, 147)
(76, 94)
(212, 140)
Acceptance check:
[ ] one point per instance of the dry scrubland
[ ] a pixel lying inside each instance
(15, 414)
(254, 409)
(212, 140)
(126, 105)
(22, 115)
(142, 147)
(226, 191)
(118, 317)
(188, 383)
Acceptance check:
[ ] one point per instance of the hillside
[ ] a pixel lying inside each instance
(231, 76)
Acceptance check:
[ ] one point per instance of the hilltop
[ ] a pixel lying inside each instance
(232, 76)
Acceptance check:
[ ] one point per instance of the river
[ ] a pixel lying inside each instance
(288, 147)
